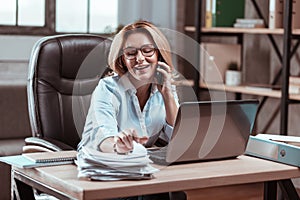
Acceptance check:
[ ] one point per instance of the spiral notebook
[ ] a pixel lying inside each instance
(31, 160)
(57, 156)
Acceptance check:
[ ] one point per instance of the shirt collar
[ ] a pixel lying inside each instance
(128, 86)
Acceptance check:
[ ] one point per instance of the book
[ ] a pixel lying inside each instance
(208, 14)
(57, 156)
(294, 80)
(275, 14)
(294, 85)
(294, 89)
(225, 13)
(248, 25)
(249, 21)
(213, 13)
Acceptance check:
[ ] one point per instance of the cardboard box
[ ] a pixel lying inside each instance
(215, 58)
(278, 148)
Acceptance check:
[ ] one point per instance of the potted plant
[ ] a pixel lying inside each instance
(233, 74)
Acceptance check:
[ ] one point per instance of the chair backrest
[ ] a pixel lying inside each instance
(63, 72)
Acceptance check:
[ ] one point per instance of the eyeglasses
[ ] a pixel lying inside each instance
(131, 52)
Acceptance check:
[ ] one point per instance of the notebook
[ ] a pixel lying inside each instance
(208, 131)
(44, 157)
(31, 160)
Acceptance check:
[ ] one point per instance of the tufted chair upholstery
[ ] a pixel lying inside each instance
(63, 72)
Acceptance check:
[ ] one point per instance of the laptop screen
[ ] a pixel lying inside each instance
(211, 130)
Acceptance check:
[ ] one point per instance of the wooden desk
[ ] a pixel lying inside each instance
(62, 180)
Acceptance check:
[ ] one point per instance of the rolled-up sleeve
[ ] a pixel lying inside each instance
(101, 120)
(168, 129)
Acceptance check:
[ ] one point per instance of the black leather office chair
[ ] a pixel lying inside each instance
(63, 72)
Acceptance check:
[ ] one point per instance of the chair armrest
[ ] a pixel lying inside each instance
(34, 149)
(45, 144)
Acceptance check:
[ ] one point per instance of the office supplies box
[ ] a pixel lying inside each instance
(225, 12)
(215, 59)
(279, 148)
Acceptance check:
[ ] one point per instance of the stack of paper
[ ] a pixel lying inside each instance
(97, 165)
(294, 85)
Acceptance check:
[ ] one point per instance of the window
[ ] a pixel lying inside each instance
(31, 13)
(46, 17)
(91, 16)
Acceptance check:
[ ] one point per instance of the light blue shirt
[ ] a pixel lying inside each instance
(114, 107)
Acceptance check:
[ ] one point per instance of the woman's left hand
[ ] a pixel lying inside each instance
(166, 72)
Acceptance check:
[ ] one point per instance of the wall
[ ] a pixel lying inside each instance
(14, 57)
(161, 13)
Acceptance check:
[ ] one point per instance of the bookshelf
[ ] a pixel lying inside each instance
(283, 52)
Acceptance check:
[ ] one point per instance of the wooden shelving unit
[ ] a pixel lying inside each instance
(244, 89)
(284, 54)
(241, 30)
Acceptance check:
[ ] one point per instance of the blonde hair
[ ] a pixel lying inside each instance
(115, 60)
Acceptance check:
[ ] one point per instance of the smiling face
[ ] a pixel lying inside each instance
(139, 57)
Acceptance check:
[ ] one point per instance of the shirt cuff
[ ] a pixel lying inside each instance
(168, 131)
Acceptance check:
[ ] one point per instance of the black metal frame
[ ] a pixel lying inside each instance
(287, 23)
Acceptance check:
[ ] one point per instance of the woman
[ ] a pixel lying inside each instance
(133, 106)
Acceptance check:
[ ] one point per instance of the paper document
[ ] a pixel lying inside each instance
(97, 165)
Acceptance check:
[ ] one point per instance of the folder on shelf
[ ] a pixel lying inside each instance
(275, 14)
(208, 14)
(279, 148)
(225, 12)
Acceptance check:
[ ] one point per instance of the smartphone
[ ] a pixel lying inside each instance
(159, 77)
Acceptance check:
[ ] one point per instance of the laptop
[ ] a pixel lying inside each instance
(208, 130)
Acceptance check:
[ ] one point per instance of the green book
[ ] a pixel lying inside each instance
(225, 12)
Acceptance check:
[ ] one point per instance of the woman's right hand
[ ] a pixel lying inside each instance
(123, 142)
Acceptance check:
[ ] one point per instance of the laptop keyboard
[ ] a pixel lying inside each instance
(158, 156)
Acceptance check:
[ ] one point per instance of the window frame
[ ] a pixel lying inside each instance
(47, 29)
